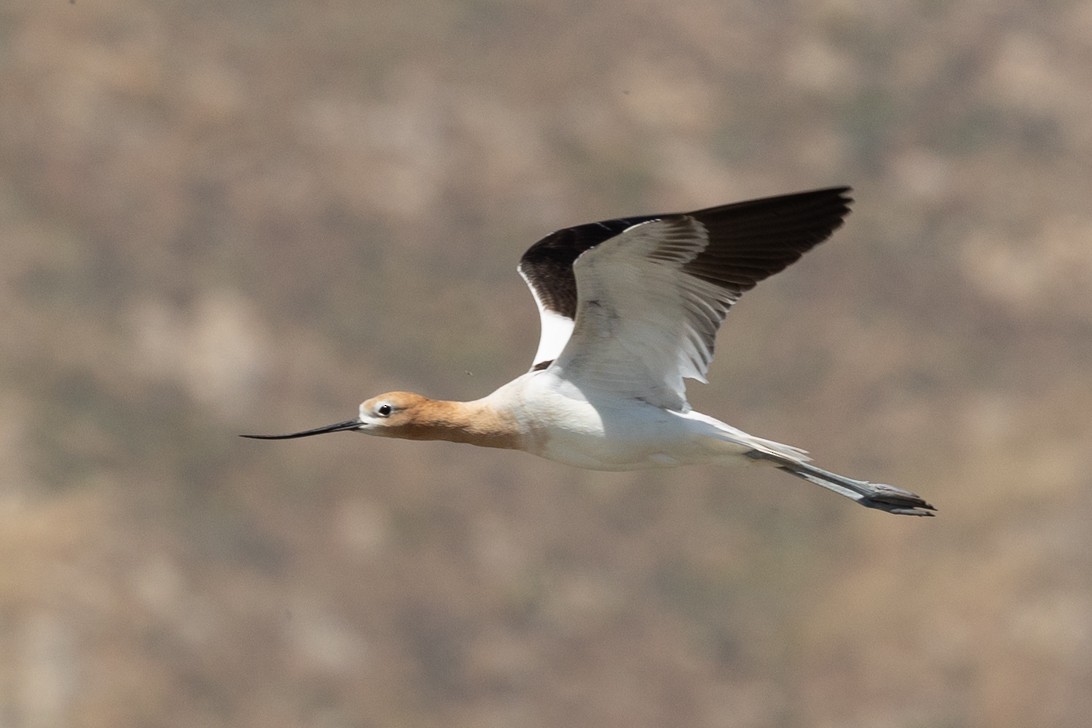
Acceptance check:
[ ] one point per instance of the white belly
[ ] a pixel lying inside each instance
(630, 436)
(609, 433)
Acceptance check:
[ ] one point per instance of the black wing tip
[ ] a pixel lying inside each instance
(565, 244)
(843, 194)
(842, 191)
(833, 200)
(842, 197)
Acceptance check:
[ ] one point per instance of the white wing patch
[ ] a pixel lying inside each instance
(555, 330)
(642, 322)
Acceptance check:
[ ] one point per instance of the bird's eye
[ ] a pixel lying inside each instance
(384, 410)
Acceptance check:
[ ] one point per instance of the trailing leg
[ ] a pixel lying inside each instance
(871, 495)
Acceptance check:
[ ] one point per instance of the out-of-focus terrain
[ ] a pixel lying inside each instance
(233, 217)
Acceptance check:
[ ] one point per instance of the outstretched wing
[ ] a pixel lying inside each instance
(632, 306)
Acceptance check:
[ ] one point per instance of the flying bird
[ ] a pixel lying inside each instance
(629, 309)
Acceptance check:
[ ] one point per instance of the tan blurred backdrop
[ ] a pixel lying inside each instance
(233, 217)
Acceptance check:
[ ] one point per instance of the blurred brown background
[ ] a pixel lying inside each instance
(233, 217)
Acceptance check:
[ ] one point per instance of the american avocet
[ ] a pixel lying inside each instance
(628, 309)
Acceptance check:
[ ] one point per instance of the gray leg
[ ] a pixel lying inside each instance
(871, 495)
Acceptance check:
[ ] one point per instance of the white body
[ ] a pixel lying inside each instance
(599, 431)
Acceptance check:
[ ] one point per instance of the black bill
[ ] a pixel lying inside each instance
(339, 427)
